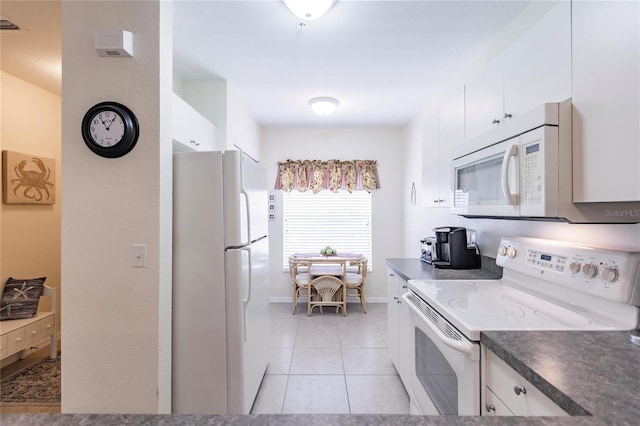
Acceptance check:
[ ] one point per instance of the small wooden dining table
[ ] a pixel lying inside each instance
(332, 265)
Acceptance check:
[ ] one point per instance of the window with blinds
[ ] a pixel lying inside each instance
(311, 222)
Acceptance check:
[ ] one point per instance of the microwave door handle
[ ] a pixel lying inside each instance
(512, 151)
(464, 347)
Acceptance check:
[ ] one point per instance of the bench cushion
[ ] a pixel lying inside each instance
(20, 298)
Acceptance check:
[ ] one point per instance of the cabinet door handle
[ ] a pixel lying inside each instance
(489, 407)
(507, 115)
(519, 390)
(404, 286)
(395, 297)
(495, 121)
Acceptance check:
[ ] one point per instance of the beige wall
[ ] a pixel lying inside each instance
(30, 234)
(117, 328)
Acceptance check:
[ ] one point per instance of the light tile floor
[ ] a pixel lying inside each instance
(330, 364)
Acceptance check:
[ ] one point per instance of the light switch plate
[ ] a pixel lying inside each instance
(139, 256)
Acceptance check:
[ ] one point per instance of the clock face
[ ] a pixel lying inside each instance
(110, 129)
(107, 128)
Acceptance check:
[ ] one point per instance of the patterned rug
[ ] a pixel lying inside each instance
(37, 384)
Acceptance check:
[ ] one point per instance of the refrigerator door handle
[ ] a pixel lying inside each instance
(245, 301)
(248, 216)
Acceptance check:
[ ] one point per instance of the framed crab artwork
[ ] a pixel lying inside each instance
(28, 179)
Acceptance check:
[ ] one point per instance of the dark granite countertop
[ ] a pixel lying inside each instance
(288, 420)
(415, 269)
(595, 373)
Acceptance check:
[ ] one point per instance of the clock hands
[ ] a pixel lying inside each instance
(105, 122)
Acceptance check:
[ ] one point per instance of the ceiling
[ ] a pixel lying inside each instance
(383, 60)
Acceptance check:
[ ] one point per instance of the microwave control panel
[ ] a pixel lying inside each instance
(532, 174)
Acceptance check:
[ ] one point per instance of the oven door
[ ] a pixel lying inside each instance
(445, 376)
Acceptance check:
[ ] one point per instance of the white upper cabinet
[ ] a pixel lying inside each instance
(533, 70)
(484, 103)
(537, 66)
(606, 93)
(451, 136)
(191, 130)
(442, 131)
(431, 160)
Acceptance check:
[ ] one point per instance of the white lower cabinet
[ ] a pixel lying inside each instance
(399, 331)
(493, 406)
(507, 393)
(406, 338)
(393, 342)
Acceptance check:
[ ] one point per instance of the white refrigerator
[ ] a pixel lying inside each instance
(220, 335)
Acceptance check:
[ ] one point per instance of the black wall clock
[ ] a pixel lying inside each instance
(110, 129)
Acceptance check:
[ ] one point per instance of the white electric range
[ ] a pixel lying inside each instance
(546, 285)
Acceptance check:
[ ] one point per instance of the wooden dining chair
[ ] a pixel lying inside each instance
(300, 278)
(327, 289)
(355, 281)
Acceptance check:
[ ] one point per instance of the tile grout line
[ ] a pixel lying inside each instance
(344, 370)
(293, 351)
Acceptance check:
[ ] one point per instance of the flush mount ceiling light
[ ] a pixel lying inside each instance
(309, 9)
(323, 106)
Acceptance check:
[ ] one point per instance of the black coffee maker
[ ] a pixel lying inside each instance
(456, 248)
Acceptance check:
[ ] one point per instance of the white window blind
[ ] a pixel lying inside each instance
(341, 220)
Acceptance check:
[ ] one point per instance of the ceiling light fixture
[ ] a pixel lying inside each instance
(309, 9)
(323, 106)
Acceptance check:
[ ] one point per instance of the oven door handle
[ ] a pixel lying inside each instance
(465, 347)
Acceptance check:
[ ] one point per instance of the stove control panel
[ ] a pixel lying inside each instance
(546, 260)
(605, 273)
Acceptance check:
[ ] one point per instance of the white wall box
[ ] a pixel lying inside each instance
(191, 130)
(505, 392)
(534, 69)
(606, 101)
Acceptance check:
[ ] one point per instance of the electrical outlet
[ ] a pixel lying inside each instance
(139, 256)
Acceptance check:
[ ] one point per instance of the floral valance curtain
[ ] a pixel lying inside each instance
(332, 175)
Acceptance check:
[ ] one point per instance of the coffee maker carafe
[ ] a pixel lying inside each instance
(456, 248)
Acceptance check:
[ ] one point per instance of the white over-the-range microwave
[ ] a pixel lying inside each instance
(523, 170)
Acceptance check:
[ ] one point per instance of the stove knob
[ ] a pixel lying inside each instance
(589, 270)
(502, 250)
(511, 252)
(575, 267)
(610, 275)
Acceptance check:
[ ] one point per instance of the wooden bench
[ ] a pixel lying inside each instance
(20, 335)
